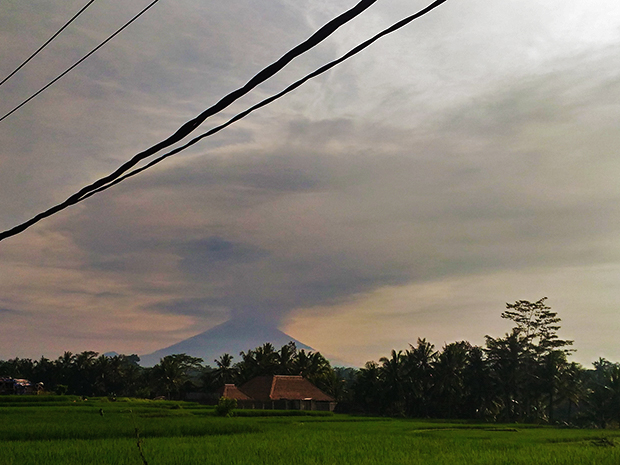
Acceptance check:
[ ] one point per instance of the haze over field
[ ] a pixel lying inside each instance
(466, 161)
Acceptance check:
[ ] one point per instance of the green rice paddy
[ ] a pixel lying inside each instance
(71, 431)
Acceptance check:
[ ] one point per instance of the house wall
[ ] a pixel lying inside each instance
(284, 404)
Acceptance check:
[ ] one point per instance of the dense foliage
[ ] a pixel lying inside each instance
(524, 376)
(90, 374)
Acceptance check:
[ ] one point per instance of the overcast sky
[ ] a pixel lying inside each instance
(466, 161)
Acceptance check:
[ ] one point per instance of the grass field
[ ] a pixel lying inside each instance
(71, 431)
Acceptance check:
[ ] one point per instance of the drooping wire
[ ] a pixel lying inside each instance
(191, 125)
(267, 101)
(67, 71)
(82, 195)
(47, 43)
(227, 100)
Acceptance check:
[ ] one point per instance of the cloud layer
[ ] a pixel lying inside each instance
(451, 168)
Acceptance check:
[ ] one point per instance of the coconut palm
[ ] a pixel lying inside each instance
(224, 373)
(393, 374)
(419, 362)
(508, 362)
(603, 400)
(285, 358)
(449, 384)
(368, 388)
(266, 359)
(173, 371)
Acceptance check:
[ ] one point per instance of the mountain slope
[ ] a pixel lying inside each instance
(231, 337)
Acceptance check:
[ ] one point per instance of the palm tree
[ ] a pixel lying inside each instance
(118, 375)
(604, 393)
(419, 363)
(260, 361)
(368, 389)
(314, 367)
(481, 403)
(82, 374)
(17, 368)
(44, 371)
(285, 358)
(224, 373)
(571, 388)
(393, 374)
(341, 383)
(104, 376)
(266, 359)
(508, 358)
(449, 371)
(173, 371)
(553, 366)
(63, 367)
(302, 364)
(246, 368)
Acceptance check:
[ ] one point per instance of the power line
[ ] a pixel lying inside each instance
(227, 100)
(267, 101)
(191, 125)
(64, 73)
(107, 182)
(46, 43)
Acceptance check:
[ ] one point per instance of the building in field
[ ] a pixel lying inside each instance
(19, 386)
(230, 391)
(281, 392)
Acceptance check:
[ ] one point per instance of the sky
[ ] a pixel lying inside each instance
(466, 161)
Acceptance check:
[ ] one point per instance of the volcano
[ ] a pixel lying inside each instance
(231, 337)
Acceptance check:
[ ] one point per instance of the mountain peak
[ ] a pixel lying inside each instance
(230, 337)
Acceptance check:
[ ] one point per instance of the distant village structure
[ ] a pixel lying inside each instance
(280, 392)
(19, 386)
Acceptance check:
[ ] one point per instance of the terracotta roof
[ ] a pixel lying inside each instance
(266, 388)
(230, 391)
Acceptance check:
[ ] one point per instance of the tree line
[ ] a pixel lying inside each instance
(524, 376)
(91, 374)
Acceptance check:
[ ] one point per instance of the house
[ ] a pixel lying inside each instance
(282, 392)
(230, 391)
(19, 386)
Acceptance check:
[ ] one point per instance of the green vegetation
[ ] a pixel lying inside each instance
(525, 376)
(225, 407)
(90, 374)
(97, 431)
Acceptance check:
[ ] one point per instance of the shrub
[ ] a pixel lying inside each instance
(225, 407)
(61, 389)
(143, 393)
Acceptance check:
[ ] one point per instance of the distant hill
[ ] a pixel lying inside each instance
(231, 337)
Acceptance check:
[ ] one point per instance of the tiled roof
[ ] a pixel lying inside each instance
(230, 391)
(266, 388)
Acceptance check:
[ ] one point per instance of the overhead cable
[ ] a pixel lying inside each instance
(67, 71)
(48, 41)
(83, 194)
(267, 101)
(229, 99)
(191, 125)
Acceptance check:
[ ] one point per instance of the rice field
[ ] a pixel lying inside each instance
(72, 431)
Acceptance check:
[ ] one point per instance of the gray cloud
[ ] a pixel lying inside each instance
(378, 206)
(212, 254)
(8, 311)
(202, 308)
(475, 142)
